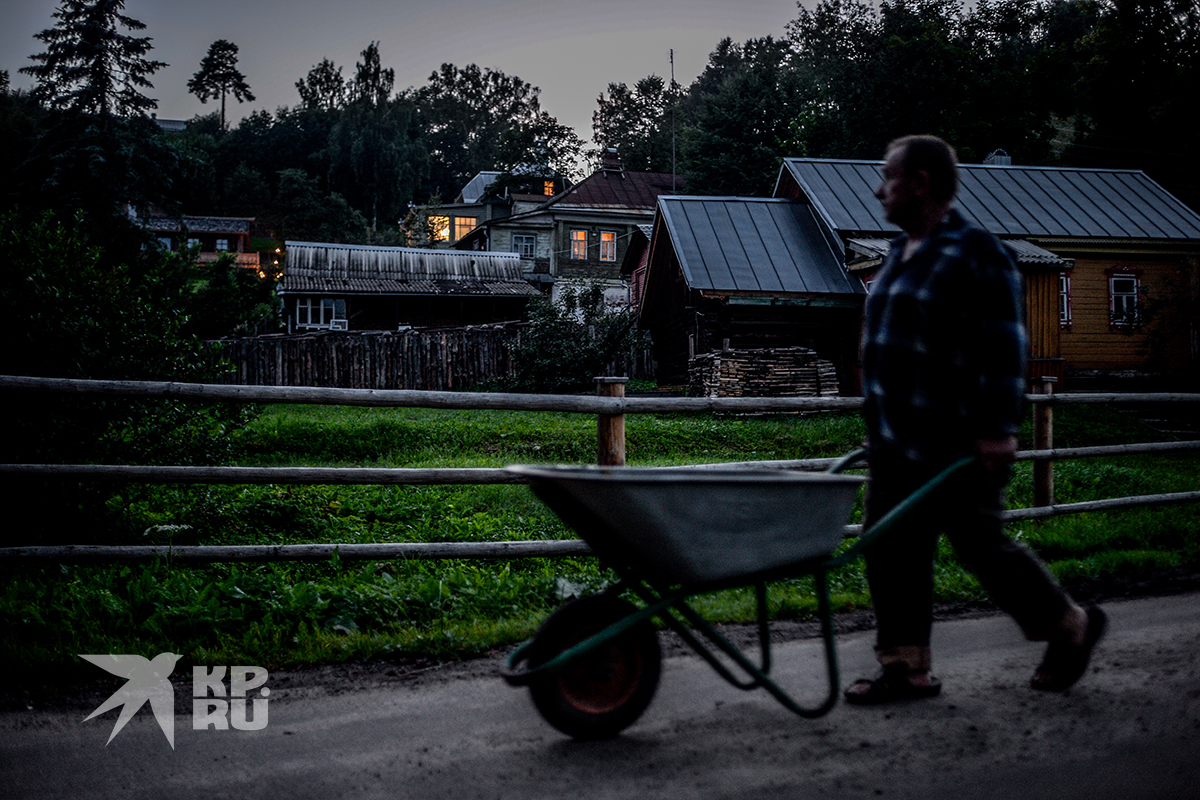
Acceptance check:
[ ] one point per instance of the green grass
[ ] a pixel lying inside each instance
(291, 614)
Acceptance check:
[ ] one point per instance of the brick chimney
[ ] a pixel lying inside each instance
(610, 163)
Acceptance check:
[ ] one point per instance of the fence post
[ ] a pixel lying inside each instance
(1043, 439)
(610, 428)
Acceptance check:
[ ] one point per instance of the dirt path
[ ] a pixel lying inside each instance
(1131, 729)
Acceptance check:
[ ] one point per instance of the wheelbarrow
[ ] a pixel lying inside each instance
(671, 534)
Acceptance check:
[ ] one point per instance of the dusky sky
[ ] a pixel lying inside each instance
(570, 49)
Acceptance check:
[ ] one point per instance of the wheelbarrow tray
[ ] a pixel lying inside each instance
(699, 525)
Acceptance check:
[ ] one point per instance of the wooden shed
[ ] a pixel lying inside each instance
(746, 273)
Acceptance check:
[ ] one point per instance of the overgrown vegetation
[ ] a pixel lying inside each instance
(303, 613)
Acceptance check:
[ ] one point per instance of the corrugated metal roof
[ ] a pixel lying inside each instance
(318, 267)
(740, 244)
(1010, 201)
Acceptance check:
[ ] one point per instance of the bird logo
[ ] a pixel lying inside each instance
(146, 680)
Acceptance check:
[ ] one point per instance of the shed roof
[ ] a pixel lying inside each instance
(1009, 201)
(356, 269)
(738, 244)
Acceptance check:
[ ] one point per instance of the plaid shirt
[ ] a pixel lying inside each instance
(944, 346)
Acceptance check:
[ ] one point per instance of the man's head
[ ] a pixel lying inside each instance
(920, 179)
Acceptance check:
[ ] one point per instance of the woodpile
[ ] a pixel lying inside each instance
(771, 372)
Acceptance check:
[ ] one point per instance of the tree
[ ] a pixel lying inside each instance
(90, 66)
(219, 76)
(740, 113)
(372, 84)
(323, 88)
(638, 122)
(465, 114)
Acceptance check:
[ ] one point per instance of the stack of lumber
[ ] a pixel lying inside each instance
(773, 372)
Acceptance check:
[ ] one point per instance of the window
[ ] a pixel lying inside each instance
(1123, 290)
(579, 245)
(164, 242)
(322, 312)
(439, 228)
(222, 244)
(548, 188)
(524, 244)
(1064, 300)
(608, 246)
(193, 243)
(463, 226)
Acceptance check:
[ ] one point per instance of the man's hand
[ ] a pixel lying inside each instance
(996, 454)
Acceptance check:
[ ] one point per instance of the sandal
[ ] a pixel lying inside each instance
(1064, 664)
(890, 685)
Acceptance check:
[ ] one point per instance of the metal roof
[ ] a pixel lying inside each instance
(1009, 201)
(477, 186)
(338, 268)
(739, 244)
(1024, 252)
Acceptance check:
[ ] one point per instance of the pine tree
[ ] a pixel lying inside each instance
(219, 76)
(90, 66)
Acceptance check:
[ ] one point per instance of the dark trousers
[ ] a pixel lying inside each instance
(900, 564)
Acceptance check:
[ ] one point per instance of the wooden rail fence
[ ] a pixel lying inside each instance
(610, 407)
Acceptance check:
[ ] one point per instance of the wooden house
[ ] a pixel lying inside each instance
(1111, 261)
(357, 288)
(583, 232)
(735, 273)
(215, 236)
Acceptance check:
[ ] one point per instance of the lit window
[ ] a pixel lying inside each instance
(1064, 299)
(548, 188)
(524, 244)
(579, 245)
(608, 246)
(193, 243)
(1123, 299)
(222, 244)
(463, 226)
(439, 229)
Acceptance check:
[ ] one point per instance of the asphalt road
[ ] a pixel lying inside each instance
(1130, 729)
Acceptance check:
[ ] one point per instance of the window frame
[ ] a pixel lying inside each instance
(222, 245)
(1064, 300)
(1127, 318)
(579, 246)
(457, 231)
(607, 246)
(327, 311)
(529, 239)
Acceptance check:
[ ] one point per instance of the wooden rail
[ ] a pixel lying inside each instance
(609, 406)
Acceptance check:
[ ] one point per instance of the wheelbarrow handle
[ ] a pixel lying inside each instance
(902, 509)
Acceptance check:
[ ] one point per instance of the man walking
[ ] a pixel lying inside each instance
(944, 378)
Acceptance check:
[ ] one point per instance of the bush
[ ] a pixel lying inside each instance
(571, 342)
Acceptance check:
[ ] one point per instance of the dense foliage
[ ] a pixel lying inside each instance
(571, 341)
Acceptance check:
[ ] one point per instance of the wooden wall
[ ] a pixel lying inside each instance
(454, 359)
(1160, 345)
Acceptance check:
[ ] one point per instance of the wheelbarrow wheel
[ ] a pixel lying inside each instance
(604, 691)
